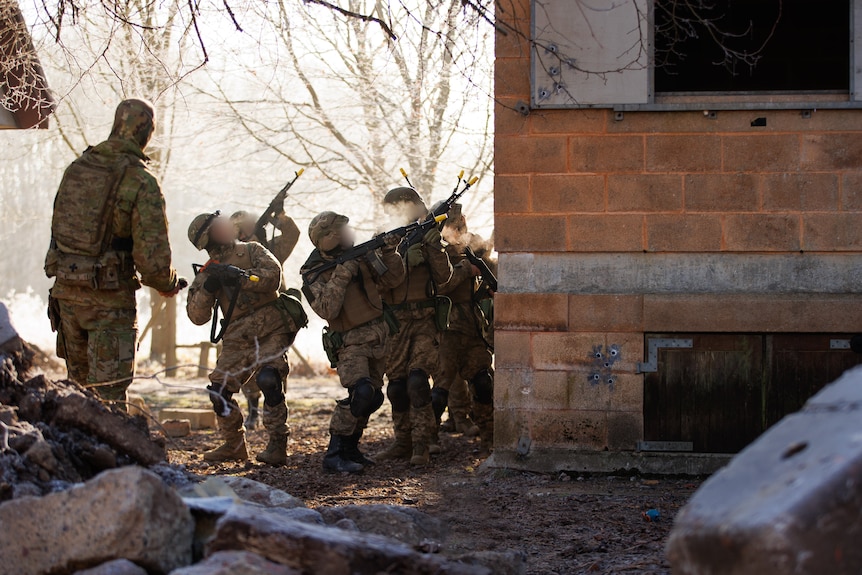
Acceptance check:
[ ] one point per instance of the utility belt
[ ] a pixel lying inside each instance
(103, 272)
(334, 340)
(441, 305)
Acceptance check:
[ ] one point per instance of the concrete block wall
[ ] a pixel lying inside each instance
(659, 222)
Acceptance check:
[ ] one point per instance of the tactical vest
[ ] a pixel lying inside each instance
(362, 302)
(248, 301)
(83, 249)
(418, 287)
(463, 292)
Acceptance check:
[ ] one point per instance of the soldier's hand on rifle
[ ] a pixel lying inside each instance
(432, 237)
(391, 242)
(181, 284)
(351, 266)
(212, 284)
(278, 207)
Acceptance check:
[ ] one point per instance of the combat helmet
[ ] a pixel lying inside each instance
(324, 230)
(402, 194)
(199, 227)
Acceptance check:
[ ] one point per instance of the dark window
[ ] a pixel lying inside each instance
(752, 45)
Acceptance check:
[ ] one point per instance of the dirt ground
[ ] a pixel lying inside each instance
(563, 524)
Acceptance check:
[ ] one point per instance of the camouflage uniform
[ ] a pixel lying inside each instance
(95, 297)
(412, 353)
(255, 345)
(348, 298)
(281, 246)
(464, 352)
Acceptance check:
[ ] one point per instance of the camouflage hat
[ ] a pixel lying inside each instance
(199, 227)
(134, 120)
(402, 194)
(323, 230)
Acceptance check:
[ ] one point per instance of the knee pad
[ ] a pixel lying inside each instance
(483, 387)
(439, 401)
(418, 388)
(396, 391)
(269, 381)
(365, 399)
(221, 398)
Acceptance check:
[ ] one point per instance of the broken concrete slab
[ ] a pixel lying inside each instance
(115, 567)
(316, 549)
(261, 493)
(791, 502)
(125, 513)
(177, 427)
(236, 563)
(407, 525)
(199, 418)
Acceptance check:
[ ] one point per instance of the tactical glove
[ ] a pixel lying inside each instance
(212, 284)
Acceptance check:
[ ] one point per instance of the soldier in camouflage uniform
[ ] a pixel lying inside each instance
(109, 235)
(348, 298)
(281, 246)
(465, 349)
(412, 354)
(255, 341)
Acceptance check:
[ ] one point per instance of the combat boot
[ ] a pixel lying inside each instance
(402, 447)
(422, 429)
(275, 423)
(253, 412)
(335, 460)
(484, 415)
(434, 443)
(350, 449)
(233, 448)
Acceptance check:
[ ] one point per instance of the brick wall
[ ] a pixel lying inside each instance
(668, 221)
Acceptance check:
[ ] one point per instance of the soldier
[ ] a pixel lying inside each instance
(465, 349)
(255, 340)
(412, 352)
(348, 298)
(281, 246)
(109, 234)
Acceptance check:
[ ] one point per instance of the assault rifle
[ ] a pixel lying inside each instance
(415, 236)
(276, 206)
(488, 276)
(229, 276)
(374, 243)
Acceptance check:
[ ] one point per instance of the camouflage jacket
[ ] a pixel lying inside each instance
(251, 257)
(139, 214)
(463, 286)
(282, 245)
(346, 300)
(422, 278)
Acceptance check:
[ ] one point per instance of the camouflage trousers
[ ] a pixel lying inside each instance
(363, 355)
(99, 346)
(415, 346)
(463, 355)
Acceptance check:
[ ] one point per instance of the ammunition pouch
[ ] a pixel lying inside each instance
(332, 342)
(56, 325)
(442, 312)
(289, 305)
(104, 272)
(391, 321)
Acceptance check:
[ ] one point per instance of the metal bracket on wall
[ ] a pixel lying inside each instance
(656, 343)
(839, 344)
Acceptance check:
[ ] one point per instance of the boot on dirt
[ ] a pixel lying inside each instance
(253, 417)
(350, 449)
(434, 443)
(335, 460)
(234, 447)
(484, 415)
(402, 447)
(423, 425)
(464, 425)
(448, 426)
(275, 423)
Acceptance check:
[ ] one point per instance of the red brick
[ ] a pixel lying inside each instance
(573, 429)
(683, 233)
(585, 393)
(628, 392)
(761, 233)
(851, 191)
(607, 233)
(800, 192)
(530, 154)
(721, 193)
(567, 350)
(511, 349)
(568, 193)
(644, 193)
(531, 312)
(601, 312)
(774, 313)
(631, 350)
(683, 153)
(761, 153)
(511, 194)
(511, 45)
(606, 153)
(832, 232)
(832, 151)
(569, 121)
(512, 78)
(625, 429)
(507, 120)
(530, 233)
